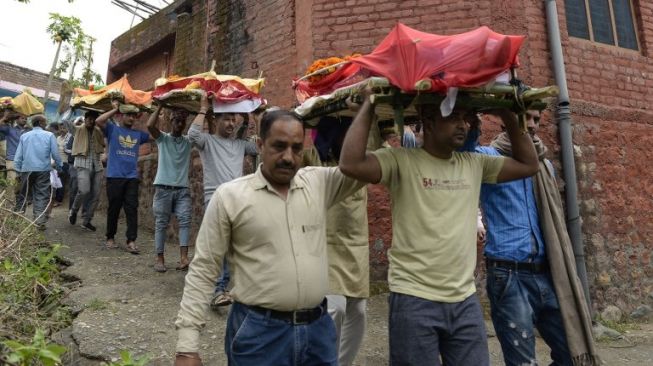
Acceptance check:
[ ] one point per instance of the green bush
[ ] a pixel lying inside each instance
(39, 352)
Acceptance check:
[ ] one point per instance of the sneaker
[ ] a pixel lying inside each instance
(72, 217)
(89, 226)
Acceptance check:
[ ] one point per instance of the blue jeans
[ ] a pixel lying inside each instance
(222, 283)
(422, 331)
(522, 301)
(166, 202)
(37, 186)
(255, 339)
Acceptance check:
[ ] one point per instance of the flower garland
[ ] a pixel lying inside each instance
(324, 63)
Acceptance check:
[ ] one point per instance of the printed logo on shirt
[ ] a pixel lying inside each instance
(445, 184)
(127, 142)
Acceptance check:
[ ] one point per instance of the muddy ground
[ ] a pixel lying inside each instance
(122, 303)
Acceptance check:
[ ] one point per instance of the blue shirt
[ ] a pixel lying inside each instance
(12, 135)
(174, 160)
(34, 151)
(123, 150)
(513, 225)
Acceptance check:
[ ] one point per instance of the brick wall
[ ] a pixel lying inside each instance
(24, 76)
(609, 89)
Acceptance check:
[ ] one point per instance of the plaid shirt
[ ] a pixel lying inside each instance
(91, 161)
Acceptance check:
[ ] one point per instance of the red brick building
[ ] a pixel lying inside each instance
(606, 46)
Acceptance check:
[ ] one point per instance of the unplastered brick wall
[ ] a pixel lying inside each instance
(250, 38)
(609, 89)
(30, 78)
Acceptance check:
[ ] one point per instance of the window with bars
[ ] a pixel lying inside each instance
(605, 21)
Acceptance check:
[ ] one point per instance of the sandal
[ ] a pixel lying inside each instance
(110, 246)
(160, 267)
(221, 299)
(131, 247)
(182, 267)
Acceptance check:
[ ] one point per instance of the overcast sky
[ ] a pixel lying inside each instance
(25, 42)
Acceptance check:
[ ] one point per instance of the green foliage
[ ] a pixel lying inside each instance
(126, 359)
(39, 352)
(97, 305)
(30, 292)
(64, 28)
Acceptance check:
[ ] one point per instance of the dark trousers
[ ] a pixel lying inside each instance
(421, 331)
(122, 193)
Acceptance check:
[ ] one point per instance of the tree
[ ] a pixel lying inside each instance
(63, 29)
(79, 50)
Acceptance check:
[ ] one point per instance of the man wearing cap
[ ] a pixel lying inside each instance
(33, 153)
(122, 170)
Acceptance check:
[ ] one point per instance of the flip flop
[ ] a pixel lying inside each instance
(112, 246)
(132, 248)
(183, 267)
(160, 267)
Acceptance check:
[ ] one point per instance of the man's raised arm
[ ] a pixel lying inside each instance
(153, 123)
(524, 162)
(102, 119)
(355, 161)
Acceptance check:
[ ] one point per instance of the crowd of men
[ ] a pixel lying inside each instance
(287, 246)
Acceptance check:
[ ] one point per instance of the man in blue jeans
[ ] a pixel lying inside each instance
(222, 161)
(272, 227)
(172, 195)
(434, 311)
(519, 281)
(33, 161)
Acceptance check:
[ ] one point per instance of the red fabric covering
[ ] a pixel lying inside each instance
(229, 91)
(406, 56)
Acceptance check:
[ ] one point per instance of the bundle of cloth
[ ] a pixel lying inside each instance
(25, 103)
(100, 100)
(231, 94)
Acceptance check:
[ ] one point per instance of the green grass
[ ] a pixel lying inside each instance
(97, 305)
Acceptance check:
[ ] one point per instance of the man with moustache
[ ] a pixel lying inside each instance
(272, 227)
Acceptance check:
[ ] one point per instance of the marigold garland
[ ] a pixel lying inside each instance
(324, 63)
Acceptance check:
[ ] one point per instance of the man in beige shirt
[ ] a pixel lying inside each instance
(434, 311)
(271, 227)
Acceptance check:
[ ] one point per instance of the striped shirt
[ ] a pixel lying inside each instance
(513, 226)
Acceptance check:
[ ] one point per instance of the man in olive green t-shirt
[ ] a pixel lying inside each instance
(435, 190)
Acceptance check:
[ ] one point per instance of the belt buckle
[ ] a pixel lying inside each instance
(295, 321)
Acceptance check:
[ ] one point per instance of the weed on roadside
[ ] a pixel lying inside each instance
(30, 291)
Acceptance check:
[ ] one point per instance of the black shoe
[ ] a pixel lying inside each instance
(89, 226)
(72, 217)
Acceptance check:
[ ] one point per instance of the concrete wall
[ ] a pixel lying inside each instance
(610, 91)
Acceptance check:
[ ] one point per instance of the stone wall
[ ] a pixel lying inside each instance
(609, 89)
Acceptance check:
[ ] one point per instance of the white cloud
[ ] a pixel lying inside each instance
(25, 42)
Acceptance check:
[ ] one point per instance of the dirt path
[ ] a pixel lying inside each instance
(124, 304)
